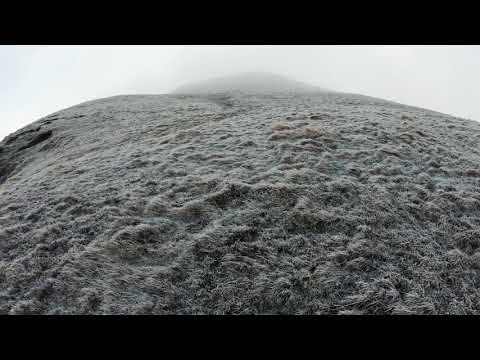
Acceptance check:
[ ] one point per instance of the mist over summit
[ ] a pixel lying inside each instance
(252, 82)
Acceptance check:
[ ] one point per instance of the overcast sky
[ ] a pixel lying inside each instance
(38, 80)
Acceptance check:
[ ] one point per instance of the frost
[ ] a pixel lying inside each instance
(240, 203)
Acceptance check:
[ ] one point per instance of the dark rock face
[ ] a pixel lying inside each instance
(11, 152)
(318, 203)
(37, 139)
(5, 169)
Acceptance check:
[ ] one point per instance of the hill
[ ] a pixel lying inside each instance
(293, 203)
(251, 82)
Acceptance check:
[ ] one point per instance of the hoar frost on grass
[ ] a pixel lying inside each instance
(321, 203)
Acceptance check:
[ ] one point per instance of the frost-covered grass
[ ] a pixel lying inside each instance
(237, 204)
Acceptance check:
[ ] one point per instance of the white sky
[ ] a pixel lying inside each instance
(38, 80)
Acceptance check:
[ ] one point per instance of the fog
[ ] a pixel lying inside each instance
(38, 80)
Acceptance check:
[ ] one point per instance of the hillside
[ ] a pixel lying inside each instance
(294, 203)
